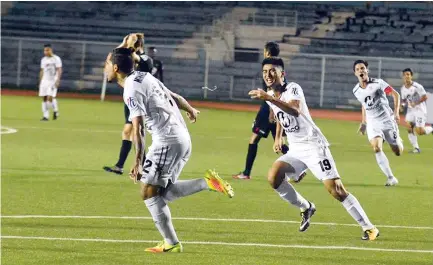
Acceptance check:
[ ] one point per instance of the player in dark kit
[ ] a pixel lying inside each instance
(158, 67)
(263, 124)
(143, 63)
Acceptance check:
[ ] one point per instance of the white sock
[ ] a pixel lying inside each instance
(428, 129)
(289, 194)
(355, 210)
(183, 188)
(45, 111)
(162, 217)
(383, 163)
(55, 106)
(413, 140)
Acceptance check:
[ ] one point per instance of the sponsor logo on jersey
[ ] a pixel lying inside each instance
(131, 102)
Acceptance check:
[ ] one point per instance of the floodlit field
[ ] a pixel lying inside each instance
(54, 169)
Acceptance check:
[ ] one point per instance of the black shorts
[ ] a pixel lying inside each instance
(126, 113)
(261, 125)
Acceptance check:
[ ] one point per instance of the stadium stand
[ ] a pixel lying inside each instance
(191, 32)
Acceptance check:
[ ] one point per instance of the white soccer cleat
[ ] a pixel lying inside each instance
(391, 182)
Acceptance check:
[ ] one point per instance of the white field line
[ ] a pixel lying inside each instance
(222, 244)
(7, 130)
(199, 219)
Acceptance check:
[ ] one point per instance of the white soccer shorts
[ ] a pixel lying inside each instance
(417, 117)
(316, 158)
(47, 88)
(387, 130)
(164, 162)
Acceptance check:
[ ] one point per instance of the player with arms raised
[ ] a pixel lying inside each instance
(308, 149)
(156, 108)
(414, 96)
(378, 118)
(49, 81)
(143, 63)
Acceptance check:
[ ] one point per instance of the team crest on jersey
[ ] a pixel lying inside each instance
(131, 102)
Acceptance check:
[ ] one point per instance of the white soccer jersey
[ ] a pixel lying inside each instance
(373, 99)
(301, 129)
(146, 96)
(414, 94)
(49, 65)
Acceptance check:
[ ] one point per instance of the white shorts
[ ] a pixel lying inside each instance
(416, 117)
(164, 162)
(318, 159)
(387, 130)
(47, 88)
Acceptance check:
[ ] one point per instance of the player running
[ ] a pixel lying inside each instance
(152, 105)
(377, 117)
(414, 96)
(143, 63)
(49, 80)
(262, 124)
(308, 149)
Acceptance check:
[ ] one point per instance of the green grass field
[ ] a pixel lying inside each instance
(55, 169)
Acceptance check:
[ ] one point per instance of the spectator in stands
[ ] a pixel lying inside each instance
(158, 68)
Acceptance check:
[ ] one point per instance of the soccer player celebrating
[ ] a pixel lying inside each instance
(263, 124)
(308, 149)
(143, 63)
(156, 108)
(414, 96)
(49, 81)
(378, 118)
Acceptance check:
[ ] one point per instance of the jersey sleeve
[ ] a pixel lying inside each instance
(420, 90)
(134, 100)
(293, 92)
(58, 62)
(384, 86)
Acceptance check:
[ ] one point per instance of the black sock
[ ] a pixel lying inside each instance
(251, 156)
(124, 151)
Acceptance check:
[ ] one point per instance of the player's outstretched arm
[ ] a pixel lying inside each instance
(278, 142)
(396, 96)
(363, 125)
(139, 138)
(182, 104)
(41, 74)
(291, 107)
(59, 71)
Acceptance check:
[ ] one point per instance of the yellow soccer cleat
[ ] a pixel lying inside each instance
(215, 183)
(370, 234)
(164, 247)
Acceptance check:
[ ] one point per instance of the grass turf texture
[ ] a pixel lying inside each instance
(55, 168)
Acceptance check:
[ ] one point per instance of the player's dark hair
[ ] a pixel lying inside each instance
(360, 61)
(274, 61)
(273, 48)
(407, 70)
(47, 45)
(123, 58)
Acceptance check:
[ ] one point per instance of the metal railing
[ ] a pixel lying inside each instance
(327, 80)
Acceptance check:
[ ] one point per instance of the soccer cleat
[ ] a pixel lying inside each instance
(391, 182)
(44, 119)
(55, 115)
(306, 216)
(241, 176)
(164, 247)
(215, 183)
(300, 177)
(114, 169)
(370, 234)
(415, 151)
